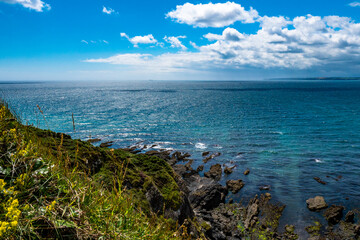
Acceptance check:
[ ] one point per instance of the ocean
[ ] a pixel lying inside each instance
(285, 132)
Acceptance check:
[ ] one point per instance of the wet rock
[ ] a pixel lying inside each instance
(235, 185)
(215, 172)
(247, 171)
(188, 164)
(334, 214)
(228, 170)
(106, 144)
(94, 140)
(205, 154)
(205, 160)
(314, 230)
(200, 168)
(316, 203)
(265, 187)
(319, 180)
(208, 196)
(268, 195)
(350, 216)
(290, 228)
(165, 155)
(252, 211)
(180, 169)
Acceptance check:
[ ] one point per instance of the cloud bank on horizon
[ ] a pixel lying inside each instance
(303, 42)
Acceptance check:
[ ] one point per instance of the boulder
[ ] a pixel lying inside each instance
(235, 185)
(200, 168)
(208, 197)
(205, 154)
(215, 172)
(228, 170)
(316, 203)
(247, 171)
(334, 214)
(350, 216)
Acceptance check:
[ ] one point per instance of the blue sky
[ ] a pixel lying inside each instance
(190, 40)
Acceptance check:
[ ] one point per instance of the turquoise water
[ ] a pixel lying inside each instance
(285, 132)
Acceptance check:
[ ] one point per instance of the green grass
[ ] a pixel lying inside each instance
(52, 186)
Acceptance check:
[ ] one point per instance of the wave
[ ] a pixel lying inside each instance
(200, 145)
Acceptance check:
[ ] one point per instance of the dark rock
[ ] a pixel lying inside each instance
(215, 172)
(165, 155)
(93, 140)
(180, 169)
(155, 199)
(200, 168)
(247, 171)
(334, 214)
(205, 160)
(268, 195)
(265, 187)
(228, 170)
(252, 211)
(106, 144)
(350, 216)
(317, 203)
(319, 180)
(208, 197)
(205, 154)
(188, 164)
(235, 185)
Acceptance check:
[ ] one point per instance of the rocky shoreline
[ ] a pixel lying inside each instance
(256, 219)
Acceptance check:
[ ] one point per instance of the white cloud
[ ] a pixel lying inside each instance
(84, 41)
(147, 39)
(36, 5)
(354, 4)
(175, 42)
(212, 15)
(305, 42)
(95, 42)
(108, 10)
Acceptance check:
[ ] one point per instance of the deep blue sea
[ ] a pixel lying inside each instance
(285, 132)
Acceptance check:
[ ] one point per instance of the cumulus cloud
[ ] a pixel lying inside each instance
(175, 42)
(108, 10)
(304, 42)
(147, 39)
(36, 5)
(354, 4)
(212, 15)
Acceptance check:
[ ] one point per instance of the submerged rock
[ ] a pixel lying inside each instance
(319, 180)
(205, 154)
(215, 172)
(265, 187)
(334, 214)
(316, 203)
(235, 185)
(205, 160)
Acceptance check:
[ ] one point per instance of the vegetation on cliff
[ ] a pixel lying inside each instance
(54, 186)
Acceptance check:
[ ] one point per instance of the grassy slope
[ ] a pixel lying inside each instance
(53, 186)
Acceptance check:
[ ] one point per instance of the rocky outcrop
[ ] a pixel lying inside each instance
(334, 214)
(228, 170)
(235, 185)
(317, 203)
(215, 172)
(252, 212)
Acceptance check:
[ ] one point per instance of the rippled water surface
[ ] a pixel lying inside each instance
(285, 132)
